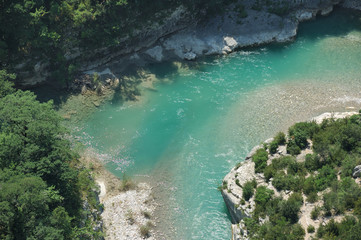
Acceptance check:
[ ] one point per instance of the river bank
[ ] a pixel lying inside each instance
(233, 187)
(128, 205)
(182, 37)
(171, 122)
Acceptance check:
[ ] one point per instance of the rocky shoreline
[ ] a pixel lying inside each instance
(245, 172)
(128, 206)
(182, 37)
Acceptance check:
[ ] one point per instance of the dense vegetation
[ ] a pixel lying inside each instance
(41, 183)
(325, 175)
(39, 30)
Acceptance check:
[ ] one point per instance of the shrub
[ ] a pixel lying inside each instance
(307, 128)
(126, 184)
(309, 186)
(293, 168)
(310, 229)
(300, 138)
(315, 213)
(251, 225)
(297, 232)
(312, 197)
(292, 148)
(326, 175)
(260, 159)
(290, 208)
(348, 164)
(263, 195)
(224, 185)
(273, 147)
(280, 138)
(237, 182)
(144, 231)
(282, 162)
(282, 181)
(248, 190)
(312, 162)
(269, 172)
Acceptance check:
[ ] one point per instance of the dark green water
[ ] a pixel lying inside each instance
(203, 118)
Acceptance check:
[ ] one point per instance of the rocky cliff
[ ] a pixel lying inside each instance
(182, 36)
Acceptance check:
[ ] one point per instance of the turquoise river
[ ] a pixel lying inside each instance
(201, 118)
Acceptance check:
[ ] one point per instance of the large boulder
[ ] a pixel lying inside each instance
(356, 171)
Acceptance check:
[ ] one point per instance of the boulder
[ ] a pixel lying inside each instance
(356, 171)
(230, 42)
(189, 56)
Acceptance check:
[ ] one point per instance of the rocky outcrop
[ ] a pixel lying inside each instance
(182, 36)
(234, 181)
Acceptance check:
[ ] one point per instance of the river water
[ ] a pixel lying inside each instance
(202, 118)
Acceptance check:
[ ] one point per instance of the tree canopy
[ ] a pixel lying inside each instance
(40, 195)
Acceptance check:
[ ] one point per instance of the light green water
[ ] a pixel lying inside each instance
(202, 119)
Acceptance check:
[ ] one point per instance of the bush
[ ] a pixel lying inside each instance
(310, 229)
(260, 159)
(263, 195)
(251, 225)
(280, 138)
(300, 138)
(282, 162)
(348, 164)
(312, 162)
(248, 190)
(309, 186)
(144, 231)
(312, 197)
(326, 175)
(273, 147)
(292, 148)
(269, 172)
(315, 213)
(224, 185)
(282, 181)
(307, 128)
(290, 208)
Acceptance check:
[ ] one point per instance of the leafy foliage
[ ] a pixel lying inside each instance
(260, 159)
(33, 29)
(336, 149)
(40, 195)
(248, 189)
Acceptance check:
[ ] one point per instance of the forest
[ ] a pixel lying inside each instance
(43, 185)
(33, 30)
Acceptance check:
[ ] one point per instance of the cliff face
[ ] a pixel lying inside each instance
(183, 37)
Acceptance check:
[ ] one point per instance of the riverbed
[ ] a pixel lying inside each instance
(200, 118)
